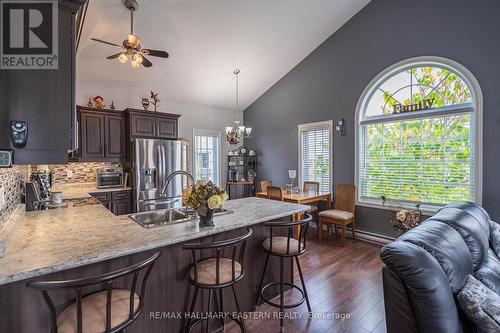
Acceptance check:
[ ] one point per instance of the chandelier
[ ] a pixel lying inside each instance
(234, 134)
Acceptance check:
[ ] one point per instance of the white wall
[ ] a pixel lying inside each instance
(192, 115)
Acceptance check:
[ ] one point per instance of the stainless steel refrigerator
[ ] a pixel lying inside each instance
(152, 161)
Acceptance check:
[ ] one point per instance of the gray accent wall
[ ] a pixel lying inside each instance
(328, 83)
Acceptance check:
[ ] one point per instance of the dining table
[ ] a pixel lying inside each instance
(303, 198)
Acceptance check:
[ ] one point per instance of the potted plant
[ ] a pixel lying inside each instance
(205, 198)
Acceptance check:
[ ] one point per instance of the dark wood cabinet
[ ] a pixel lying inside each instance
(102, 135)
(44, 99)
(115, 141)
(157, 125)
(118, 202)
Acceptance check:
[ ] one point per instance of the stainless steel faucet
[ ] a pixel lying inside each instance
(164, 189)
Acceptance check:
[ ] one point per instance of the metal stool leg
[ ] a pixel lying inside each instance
(221, 310)
(242, 326)
(304, 287)
(210, 295)
(191, 309)
(282, 295)
(261, 282)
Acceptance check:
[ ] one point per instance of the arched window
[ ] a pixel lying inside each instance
(419, 135)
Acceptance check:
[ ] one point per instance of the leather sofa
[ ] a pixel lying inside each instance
(426, 267)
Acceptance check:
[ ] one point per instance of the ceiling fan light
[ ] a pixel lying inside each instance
(133, 40)
(138, 58)
(135, 64)
(123, 58)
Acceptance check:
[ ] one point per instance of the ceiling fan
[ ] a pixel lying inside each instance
(131, 46)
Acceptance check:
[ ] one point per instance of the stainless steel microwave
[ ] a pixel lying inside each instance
(110, 177)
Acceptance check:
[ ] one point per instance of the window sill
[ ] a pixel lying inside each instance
(426, 210)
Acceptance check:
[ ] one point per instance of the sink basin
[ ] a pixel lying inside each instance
(161, 217)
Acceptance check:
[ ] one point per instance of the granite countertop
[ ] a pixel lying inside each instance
(82, 190)
(49, 241)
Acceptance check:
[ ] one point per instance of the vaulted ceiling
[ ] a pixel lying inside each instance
(207, 40)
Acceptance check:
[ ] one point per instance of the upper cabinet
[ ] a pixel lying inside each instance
(154, 125)
(44, 98)
(102, 135)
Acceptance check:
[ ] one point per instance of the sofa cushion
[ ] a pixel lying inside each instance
(481, 305)
(472, 224)
(489, 272)
(446, 245)
(495, 237)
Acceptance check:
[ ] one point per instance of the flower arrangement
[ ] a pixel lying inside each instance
(405, 219)
(204, 198)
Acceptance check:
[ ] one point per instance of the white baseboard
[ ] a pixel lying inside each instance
(366, 236)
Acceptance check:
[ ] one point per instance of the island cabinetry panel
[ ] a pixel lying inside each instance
(168, 291)
(102, 134)
(153, 125)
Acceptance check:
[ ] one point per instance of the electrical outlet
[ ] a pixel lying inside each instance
(2, 198)
(69, 173)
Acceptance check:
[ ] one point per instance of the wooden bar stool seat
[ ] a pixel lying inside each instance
(107, 311)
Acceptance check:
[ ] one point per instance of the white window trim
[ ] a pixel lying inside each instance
(206, 132)
(477, 94)
(328, 124)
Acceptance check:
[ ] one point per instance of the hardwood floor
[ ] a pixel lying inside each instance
(340, 281)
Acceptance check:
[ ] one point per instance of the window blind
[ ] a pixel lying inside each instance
(428, 160)
(315, 155)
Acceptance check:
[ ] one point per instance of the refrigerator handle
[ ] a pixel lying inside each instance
(161, 164)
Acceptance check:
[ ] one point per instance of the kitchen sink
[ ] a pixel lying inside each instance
(161, 217)
(156, 218)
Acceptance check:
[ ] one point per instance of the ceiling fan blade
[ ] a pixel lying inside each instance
(103, 41)
(155, 53)
(146, 62)
(114, 56)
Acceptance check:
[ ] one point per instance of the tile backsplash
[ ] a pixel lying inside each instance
(11, 180)
(78, 172)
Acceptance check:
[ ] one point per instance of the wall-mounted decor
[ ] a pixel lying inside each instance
(155, 100)
(422, 105)
(340, 127)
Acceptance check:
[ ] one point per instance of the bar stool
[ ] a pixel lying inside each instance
(285, 247)
(216, 273)
(109, 311)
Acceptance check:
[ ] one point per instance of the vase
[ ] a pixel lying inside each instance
(206, 217)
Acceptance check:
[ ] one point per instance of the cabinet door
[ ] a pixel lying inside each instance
(115, 141)
(166, 128)
(92, 136)
(143, 126)
(121, 207)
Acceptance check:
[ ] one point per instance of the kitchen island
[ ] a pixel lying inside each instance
(85, 241)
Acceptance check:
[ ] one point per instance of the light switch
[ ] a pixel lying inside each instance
(2, 198)
(69, 173)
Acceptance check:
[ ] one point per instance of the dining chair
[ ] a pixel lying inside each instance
(343, 214)
(264, 184)
(275, 193)
(308, 187)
